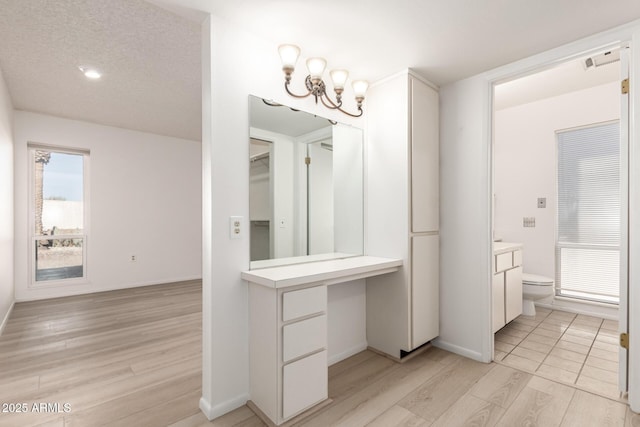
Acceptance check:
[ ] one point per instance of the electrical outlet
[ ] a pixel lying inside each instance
(235, 227)
(542, 202)
(133, 258)
(529, 221)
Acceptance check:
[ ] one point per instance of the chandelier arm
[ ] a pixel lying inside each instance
(332, 106)
(286, 87)
(350, 114)
(338, 107)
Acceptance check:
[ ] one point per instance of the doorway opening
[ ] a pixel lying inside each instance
(560, 194)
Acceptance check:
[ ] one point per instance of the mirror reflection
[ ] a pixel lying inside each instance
(306, 197)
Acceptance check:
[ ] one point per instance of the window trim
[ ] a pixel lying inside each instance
(32, 237)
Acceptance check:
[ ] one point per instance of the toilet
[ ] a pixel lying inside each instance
(534, 288)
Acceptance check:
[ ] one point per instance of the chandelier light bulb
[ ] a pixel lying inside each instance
(289, 54)
(316, 68)
(339, 78)
(360, 88)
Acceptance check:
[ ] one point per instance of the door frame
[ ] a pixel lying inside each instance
(625, 35)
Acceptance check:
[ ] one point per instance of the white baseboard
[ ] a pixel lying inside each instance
(347, 353)
(60, 291)
(462, 351)
(578, 307)
(6, 318)
(212, 412)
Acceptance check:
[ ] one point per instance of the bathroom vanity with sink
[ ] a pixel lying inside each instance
(507, 283)
(288, 331)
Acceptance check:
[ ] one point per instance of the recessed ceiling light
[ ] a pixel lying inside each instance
(90, 73)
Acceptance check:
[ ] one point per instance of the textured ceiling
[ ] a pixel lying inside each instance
(150, 50)
(150, 58)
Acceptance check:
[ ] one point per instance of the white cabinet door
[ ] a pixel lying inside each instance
(425, 158)
(517, 258)
(498, 301)
(425, 301)
(304, 383)
(513, 293)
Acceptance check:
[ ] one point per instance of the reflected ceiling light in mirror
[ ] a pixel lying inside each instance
(315, 85)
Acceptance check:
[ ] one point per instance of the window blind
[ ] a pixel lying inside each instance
(588, 235)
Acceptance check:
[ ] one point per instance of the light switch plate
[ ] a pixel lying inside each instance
(529, 221)
(542, 202)
(236, 227)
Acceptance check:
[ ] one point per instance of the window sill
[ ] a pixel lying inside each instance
(585, 301)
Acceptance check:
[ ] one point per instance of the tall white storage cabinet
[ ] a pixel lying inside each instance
(403, 212)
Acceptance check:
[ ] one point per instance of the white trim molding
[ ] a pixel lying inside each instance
(347, 353)
(6, 318)
(462, 351)
(212, 412)
(35, 296)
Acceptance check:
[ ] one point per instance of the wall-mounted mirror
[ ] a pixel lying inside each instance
(306, 193)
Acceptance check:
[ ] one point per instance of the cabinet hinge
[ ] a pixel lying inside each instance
(625, 86)
(624, 340)
(307, 160)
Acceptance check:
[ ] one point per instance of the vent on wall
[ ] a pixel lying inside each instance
(601, 59)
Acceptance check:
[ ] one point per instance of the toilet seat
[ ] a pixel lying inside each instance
(536, 280)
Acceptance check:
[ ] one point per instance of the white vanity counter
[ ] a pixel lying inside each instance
(327, 272)
(288, 331)
(504, 247)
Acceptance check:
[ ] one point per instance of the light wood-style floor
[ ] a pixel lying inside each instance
(132, 358)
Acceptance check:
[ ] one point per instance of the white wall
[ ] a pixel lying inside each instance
(347, 319)
(145, 199)
(525, 168)
(464, 219)
(6, 204)
(257, 71)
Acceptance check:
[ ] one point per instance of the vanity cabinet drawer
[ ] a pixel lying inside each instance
(517, 258)
(304, 383)
(504, 261)
(304, 302)
(304, 337)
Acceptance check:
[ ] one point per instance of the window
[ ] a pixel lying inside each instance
(58, 212)
(588, 237)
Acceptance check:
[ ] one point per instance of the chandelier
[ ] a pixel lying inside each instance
(315, 85)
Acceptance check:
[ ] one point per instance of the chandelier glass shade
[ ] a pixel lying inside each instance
(314, 83)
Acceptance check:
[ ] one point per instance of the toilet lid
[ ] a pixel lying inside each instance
(534, 279)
